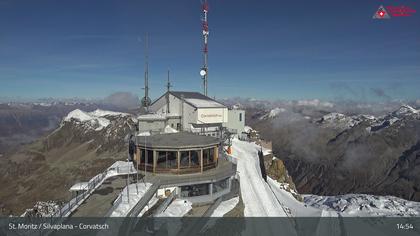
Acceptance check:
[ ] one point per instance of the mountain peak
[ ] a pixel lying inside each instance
(405, 110)
(97, 119)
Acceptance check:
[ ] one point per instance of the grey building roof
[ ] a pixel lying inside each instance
(180, 140)
(195, 99)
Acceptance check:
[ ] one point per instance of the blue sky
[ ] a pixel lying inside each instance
(264, 49)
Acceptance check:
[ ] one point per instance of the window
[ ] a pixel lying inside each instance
(161, 160)
(146, 157)
(185, 159)
(208, 155)
(240, 117)
(166, 160)
(172, 160)
(195, 158)
(195, 190)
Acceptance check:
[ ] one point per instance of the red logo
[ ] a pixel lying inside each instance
(381, 13)
(394, 11)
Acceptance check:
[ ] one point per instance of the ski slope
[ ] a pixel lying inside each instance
(265, 198)
(256, 194)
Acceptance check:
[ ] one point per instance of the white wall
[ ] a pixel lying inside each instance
(234, 124)
(160, 105)
(189, 116)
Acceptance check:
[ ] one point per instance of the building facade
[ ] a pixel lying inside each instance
(191, 112)
(185, 111)
(236, 121)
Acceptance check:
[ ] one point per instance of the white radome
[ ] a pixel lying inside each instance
(203, 72)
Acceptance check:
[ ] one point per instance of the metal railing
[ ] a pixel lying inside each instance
(115, 204)
(67, 208)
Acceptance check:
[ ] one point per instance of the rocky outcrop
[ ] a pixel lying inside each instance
(277, 171)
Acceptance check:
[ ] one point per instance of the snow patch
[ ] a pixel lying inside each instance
(102, 113)
(365, 205)
(406, 110)
(247, 129)
(146, 133)
(178, 208)
(289, 203)
(130, 199)
(225, 207)
(169, 129)
(97, 119)
(275, 112)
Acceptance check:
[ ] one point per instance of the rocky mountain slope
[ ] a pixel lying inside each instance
(22, 123)
(84, 144)
(333, 153)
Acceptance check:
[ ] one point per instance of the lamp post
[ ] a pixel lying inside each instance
(128, 179)
(145, 160)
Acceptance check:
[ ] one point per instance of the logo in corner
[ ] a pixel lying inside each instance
(381, 13)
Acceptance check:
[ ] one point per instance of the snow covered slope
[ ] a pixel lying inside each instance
(341, 121)
(258, 198)
(273, 113)
(293, 207)
(365, 205)
(95, 120)
(272, 198)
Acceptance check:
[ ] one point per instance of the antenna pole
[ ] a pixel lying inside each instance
(146, 72)
(168, 83)
(146, 100)
(168, 88)
(205, 8)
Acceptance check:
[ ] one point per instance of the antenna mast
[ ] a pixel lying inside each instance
(204, 70)
(168, 87)
(146, 100)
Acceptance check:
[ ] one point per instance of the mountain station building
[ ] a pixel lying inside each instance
(191, 112)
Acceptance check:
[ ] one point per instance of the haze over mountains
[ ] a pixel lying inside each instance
(23, 121)
(330, 153)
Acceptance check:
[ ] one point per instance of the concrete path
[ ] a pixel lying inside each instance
(98, 204)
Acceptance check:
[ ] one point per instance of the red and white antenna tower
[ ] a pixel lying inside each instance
(204, 70)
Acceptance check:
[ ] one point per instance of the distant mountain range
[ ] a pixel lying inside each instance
(25, 122)
(83, 145)
(334, 153)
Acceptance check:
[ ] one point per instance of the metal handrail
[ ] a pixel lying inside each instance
(92, 185)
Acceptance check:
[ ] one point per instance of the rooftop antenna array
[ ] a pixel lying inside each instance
(204, 69)
(146, 101)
